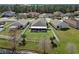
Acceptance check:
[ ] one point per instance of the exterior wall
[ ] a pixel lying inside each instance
(78, 24)
(38, 30)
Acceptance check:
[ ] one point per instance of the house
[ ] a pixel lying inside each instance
(46, 15)
(39, 25)
(73, 22)
(76, 13)
(33, 14)
(5, 19)
(49, 15)
(67, 15)
(42, 15)
(59, 24)
(20, 24)
(57, 15)
(22, 15)
(8, 14)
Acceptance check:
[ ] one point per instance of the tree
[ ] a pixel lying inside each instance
(23, 41)
(53, 42)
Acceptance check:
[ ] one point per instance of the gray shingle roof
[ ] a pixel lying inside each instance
(39, 22)
(8, 13)
(20, 22)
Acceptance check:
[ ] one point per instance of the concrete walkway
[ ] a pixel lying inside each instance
(57, 39)
(23, 32)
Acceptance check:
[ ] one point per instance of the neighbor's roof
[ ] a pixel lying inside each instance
(9, 13)
(57, 13)
(20, 22)
(68, 14)
(57, 22)
(76, 13)
(22, 15)
(23, 21)
(46, 15)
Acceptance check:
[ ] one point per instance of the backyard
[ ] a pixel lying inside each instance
(33, 39)
(70, 36)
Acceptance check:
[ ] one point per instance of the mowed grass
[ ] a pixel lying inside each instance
(33, 39)
(69, 36)
(5, 43)
(38, 35)
(6, 29)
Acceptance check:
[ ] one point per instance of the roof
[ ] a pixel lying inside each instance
(13, 27)
(46, 15)
(38, 27)
(42, 15)
(8, 13)
(34, 13)
(57, 13)
(73, 19)
(39, 22)
(7, 19)
(57, 22)
(20, 22)
(76, 13)
(68, 14)
(23, 21)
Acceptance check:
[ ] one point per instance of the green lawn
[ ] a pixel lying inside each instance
(35, 36)
(69, 36)
(5, 43)
(38, 35)
(6, 29)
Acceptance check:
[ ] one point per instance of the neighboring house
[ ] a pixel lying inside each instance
(20, 24)
(73, 22)
(5, 19)
(8, 14)
(39, 25)
(59, 24)
(46, 15)
(33, 14)
(76, 13)
(22, 15)
(67, 15)
(49, 15)
(57, 15)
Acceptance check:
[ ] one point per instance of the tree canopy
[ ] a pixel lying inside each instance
(42, 8)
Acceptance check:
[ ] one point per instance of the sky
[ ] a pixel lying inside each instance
(39, 2)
